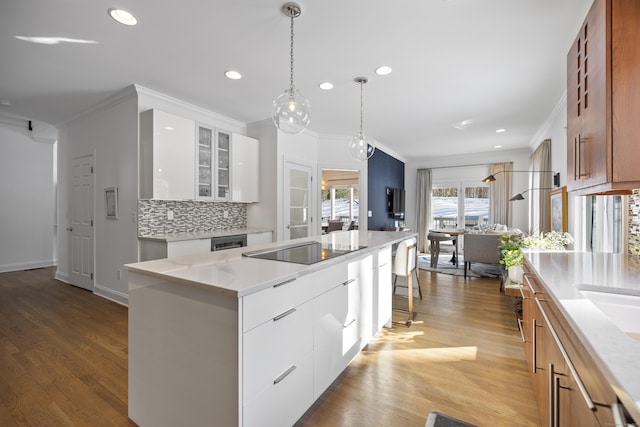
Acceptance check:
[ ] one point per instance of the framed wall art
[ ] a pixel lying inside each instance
(111, 199)
(558, 208)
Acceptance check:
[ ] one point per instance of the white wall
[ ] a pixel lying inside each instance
(520, 159)
(109, 132)
(27, 191)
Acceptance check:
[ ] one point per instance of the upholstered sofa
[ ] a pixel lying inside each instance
(482, 248)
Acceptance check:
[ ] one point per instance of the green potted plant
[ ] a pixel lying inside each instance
(511, 256)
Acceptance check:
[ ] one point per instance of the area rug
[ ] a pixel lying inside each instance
(445, 266)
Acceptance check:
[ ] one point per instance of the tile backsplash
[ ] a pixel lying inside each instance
(188, 216)
(634, 223)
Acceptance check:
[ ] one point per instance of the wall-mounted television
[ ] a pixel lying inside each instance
(395, 203)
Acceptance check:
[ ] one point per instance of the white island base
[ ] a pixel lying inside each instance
(224, 340)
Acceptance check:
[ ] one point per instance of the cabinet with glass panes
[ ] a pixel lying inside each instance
(213, 163)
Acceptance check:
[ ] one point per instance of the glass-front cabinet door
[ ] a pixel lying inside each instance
(223, 154)
(214, 155)
(205, 162)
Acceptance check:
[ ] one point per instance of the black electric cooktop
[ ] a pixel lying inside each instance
(303, 253)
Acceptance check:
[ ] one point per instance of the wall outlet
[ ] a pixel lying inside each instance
(225, 214)
(369, 214)
(170, 215)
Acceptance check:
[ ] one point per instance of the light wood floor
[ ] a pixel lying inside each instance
(63, 360)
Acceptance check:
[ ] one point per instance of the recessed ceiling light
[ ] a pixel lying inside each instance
(497, 146)
(6, 102)
(326, 86)
(122, 16)
(462, 125)
(233, 75)
(500, 130)
(383, 70)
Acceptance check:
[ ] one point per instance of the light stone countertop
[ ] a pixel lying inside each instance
(180, 236)
(231, 273)
(607, 276)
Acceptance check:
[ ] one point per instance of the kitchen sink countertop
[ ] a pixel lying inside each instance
(599, 294)
(195, 235)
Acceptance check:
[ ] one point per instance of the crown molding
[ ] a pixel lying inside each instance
(543, 131)
(119, 97)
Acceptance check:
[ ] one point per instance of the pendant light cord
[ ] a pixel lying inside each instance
(291, 87)
(361, 106)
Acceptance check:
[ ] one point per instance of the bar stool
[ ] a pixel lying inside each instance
(404, 264)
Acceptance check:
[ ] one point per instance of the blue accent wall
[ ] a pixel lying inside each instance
(384, 171)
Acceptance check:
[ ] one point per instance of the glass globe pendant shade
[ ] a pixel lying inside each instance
(362, 147)
(291, 112)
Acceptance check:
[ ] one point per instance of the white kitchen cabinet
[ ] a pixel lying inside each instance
(213, 163)
(155, 249)
(336, 332)
(227, 165)
(277, 369)
(382, 289)
(167, 169)
(259, 238)
(244, 169)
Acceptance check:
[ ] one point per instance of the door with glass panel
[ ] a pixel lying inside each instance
(460, 206)
(297, 194)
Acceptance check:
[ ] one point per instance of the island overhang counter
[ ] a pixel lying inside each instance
(223, 339)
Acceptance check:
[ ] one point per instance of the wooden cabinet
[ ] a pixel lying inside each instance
(227, 166)
(569, 387)
(603, 100)
(167, 156)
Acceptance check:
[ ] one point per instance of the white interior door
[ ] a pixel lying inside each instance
(297, 194)
(81, 226)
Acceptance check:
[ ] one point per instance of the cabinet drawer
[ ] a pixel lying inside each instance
(273, 347)
(329, 278)
(283, 403)
(265, 305)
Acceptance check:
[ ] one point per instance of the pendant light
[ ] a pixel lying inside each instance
(291, 110)
(361, 146)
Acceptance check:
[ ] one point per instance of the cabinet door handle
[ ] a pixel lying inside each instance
(284, 374)
(533, 347)
(349, 323)
(522, 293)
(565, 356)
(348, 281)
(576, 158)
(277, 285)
(285, 314)
(521, 331)
(526, 278)
(619, 418)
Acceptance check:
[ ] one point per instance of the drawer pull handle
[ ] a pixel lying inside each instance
(350, 323)
(277, 285)
(533, 291)
(521, 331)
(348, 281)
(285, 314)
(284, 374)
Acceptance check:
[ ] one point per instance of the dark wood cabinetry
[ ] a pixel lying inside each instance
(569, 387)
(603, 100)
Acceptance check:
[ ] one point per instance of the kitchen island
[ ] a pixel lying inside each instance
(590, 304)
(224, 339)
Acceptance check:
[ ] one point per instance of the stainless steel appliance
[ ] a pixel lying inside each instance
(303, 253)
(228, 242)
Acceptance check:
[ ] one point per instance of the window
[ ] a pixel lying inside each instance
(459, 205)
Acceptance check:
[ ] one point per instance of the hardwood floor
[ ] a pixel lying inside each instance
(63, 360)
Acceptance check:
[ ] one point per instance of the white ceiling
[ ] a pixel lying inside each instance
(495, 63)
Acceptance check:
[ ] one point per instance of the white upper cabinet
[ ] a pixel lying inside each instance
(227, 166)
(167, 156)
(244, 169)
